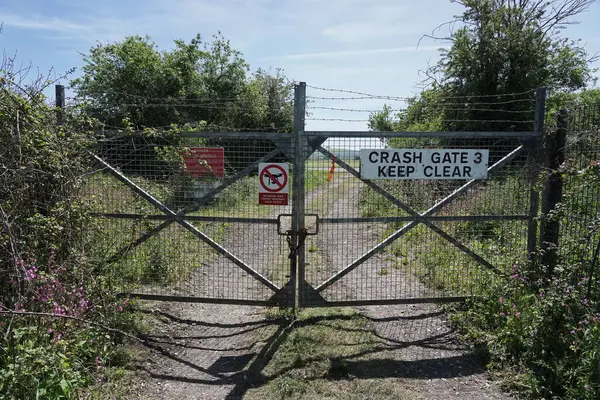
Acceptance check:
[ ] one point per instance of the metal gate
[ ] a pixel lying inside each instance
(171, 233)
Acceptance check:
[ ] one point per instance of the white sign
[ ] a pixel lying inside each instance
(423, 163)
(273, 188)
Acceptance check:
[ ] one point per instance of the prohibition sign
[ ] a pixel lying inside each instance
(274, 174)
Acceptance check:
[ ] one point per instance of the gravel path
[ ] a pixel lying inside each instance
(207, 351)
(211, 351)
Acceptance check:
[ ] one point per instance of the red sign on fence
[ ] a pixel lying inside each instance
(203, 162)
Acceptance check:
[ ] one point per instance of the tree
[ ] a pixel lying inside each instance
(503, 47)
(133, 84)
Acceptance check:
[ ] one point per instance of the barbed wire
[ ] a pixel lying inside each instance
(355, 109)
(205, 128)
(442, 101)
(139, 96)
(492, 104)
(492, 110)
(445, 120)
(337, 119)
(168, 106)
(487, 103)
(507, 121)
(369, 95)
(397, 110)
(389, 98)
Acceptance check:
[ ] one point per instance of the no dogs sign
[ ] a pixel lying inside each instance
(273, 184)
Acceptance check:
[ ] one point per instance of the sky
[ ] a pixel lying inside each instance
(362, 45)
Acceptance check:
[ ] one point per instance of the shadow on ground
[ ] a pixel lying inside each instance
(235, 355)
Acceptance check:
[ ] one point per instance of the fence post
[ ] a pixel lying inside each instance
(553, 190)
(59, 102)
(535, 149)
(297, 261)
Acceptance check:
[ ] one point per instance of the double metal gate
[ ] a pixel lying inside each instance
(170, 235)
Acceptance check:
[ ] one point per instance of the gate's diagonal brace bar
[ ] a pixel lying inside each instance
(149, 198)
(313, 145)
(369, 183)
(197, 204)
(123, 250)
(464, 248)
(498, 165)
(229, 256)
(131, 185)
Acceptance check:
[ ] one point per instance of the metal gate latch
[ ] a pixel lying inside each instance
(284, 228)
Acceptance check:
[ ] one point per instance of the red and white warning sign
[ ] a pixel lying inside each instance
(273, 188)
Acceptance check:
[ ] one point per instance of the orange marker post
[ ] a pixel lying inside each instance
(330, 176)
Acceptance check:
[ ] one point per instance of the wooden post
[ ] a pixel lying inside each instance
(535, 149)
(553, 190)
(60, 102)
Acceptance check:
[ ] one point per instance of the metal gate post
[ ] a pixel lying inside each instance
(297, 261)
(536, 148)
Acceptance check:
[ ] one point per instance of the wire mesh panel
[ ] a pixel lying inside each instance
(178, 217)
(578, 216)
(395, 240)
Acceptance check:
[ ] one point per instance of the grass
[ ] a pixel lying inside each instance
(120, 380)
(315, 179)
(175, 252)
(322, 357)
(439, 264)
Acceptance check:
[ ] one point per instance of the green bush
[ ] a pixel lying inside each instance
(52, 299)
(539, 328)
(547, 339)
(541, 325)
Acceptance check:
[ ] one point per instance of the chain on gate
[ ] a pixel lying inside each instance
(302, 233)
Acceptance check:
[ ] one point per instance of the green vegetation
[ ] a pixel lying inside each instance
(174, 253)
(537, 326)
(62, 328)
(502, 49)
(131, 83)
(59, 320)
(315, 179)
(322, 352)
(543, 325)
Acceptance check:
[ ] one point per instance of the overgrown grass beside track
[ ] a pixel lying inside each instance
(540, 329)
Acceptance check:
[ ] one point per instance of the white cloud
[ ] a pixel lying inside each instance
(47, 24)
(376, 20)
(360, 31)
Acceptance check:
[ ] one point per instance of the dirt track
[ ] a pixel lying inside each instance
(421, 343)
(210, 351)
